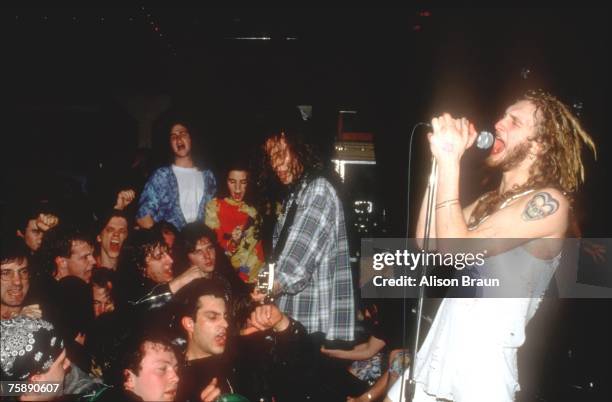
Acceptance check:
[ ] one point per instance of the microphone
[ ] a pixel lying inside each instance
(484, 140)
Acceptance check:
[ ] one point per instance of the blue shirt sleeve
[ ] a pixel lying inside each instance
(149, 202)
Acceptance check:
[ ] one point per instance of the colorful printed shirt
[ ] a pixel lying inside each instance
(246, 255)
(160, 197)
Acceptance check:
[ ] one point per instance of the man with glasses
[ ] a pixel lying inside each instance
(15, 280)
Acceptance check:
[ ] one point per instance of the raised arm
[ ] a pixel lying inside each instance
(148, 204)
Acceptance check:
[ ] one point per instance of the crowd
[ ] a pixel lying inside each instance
(159, 296)
(162, 296)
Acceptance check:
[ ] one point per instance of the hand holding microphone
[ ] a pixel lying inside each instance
(451, 137)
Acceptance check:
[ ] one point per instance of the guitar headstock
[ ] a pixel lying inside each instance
(265, 282)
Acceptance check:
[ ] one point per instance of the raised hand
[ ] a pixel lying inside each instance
(185, 278)
(32, 311)
(211, 392)
(450, 137)
(124, 198)
(267, 317)
(45, 222)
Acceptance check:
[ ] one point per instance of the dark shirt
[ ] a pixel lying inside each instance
(284, 365)
(113, 394)
(197, 374)
(385, 322)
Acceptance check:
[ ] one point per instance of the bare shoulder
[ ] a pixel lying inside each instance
(546, 208)
(544, 203)
(538, 214)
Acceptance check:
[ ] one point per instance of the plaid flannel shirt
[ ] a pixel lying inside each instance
(313, 269)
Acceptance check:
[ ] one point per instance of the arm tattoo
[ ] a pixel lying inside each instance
(539, 207)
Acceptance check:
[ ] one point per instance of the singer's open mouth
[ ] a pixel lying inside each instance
(498, 146)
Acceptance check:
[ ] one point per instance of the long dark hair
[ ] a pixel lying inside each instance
(197, 153)
(300, 138)
(240, 163)
(132, 282)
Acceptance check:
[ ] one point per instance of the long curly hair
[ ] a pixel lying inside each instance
(303, 150)
(297, 134)
(559, 165)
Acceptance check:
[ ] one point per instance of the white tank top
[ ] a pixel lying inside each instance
(472, 344)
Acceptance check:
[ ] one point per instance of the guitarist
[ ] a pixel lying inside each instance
(312, 275)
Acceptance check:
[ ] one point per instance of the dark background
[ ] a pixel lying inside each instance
(69, 72)
(75, 79)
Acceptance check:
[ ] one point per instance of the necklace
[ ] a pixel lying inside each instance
(501, 206)
(514, 197)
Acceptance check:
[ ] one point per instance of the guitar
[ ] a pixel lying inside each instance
(265, 283)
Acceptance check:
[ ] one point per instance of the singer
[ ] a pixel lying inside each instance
(470, 352)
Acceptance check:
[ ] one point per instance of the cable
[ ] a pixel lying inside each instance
(404, 298)
(409, 173)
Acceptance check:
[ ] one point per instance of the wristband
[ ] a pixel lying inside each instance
(447, 202)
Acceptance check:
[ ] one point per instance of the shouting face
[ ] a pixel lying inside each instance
(514, 134)
(237, 184)
(112, 237)
(180, 141)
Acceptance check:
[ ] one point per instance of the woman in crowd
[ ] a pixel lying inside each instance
(236, 223)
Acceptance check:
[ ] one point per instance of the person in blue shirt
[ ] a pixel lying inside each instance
(179, 192)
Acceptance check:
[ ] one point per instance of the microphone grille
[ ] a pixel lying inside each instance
(485, 140)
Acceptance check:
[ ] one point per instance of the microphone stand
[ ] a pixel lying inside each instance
(410, 384)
